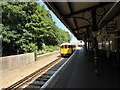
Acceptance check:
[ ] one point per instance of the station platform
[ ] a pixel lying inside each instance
(79, 73)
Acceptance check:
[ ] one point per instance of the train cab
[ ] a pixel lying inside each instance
(66, 49)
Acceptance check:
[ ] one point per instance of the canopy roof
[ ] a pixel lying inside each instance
(78, 16)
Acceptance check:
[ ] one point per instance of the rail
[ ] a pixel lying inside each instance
(32, 76)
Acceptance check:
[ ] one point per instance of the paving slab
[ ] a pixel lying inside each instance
(79, 73)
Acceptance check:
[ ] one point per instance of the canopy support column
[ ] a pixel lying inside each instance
(95, 28)
(88, 43)
(85, 40)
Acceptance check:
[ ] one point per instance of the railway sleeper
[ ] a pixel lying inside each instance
(41, 79)
(32, 87)
(37, 83)
(45, 76)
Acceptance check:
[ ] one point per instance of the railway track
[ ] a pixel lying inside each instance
(37, 79)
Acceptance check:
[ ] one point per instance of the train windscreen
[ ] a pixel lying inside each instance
(66, 46)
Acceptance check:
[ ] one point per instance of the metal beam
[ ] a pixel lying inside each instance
(117, 12)
(94, 20)
(71, 10)
(81, 27)
(108, 13)
(87, 9)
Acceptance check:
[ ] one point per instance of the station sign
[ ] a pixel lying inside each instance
(111, 27)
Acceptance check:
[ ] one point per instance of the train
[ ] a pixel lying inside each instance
(67, 49)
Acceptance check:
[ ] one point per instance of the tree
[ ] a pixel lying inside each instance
(26, 25)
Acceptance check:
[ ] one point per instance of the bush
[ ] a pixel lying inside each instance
(48, 49)
(31, 47)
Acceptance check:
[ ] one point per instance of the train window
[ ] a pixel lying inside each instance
(69, 46)
(66, 46)
(74, 46)
(61, 47)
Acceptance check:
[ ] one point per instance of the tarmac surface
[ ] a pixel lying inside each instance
(79, 73)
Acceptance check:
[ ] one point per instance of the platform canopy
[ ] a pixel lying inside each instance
(81, 18)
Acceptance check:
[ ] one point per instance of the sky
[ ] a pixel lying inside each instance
(60, 24)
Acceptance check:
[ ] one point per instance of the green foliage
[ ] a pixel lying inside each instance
(51, 48)
(26, 26)
(48, 49)
(31, 47)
